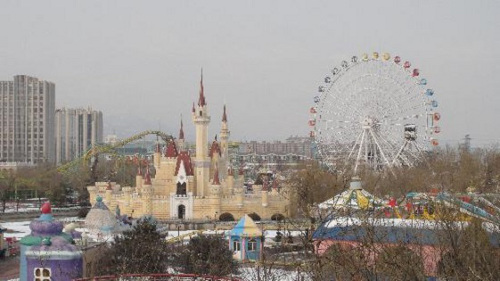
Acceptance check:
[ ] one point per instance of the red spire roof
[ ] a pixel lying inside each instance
(171, 150)
(46, 209)
(224, 115)
(148, 177)
(181, 131)
(216, 180)
(215, 148)
(184, 157)
(201, 99)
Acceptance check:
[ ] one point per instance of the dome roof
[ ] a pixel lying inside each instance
(100, 218)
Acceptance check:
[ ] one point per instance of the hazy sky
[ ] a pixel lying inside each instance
(139, 61)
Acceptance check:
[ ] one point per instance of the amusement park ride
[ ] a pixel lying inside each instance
(375, 111)
(92, 155)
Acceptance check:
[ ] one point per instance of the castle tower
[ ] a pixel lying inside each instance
(201, 119)
(181, 140)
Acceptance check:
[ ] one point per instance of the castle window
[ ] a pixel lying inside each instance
(236, 245)
(181, 188)
(252, 245)
(42, 274)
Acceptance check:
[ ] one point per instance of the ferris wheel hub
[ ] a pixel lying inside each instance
(369, 123)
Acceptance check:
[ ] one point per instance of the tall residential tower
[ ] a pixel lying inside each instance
(77, 130)
(27, 120)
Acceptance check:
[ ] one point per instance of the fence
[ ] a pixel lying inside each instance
(159, 277)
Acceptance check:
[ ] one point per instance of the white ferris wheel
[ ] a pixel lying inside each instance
(375, 111)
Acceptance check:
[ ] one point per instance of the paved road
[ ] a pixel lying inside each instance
(9, 268)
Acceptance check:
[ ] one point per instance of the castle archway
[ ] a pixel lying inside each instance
(226, 217)
(277, 217)
(181, 212)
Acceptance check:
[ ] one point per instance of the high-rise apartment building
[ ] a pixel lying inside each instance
(27, 120)
(77, 130)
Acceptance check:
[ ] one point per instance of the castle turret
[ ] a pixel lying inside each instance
(215, 193)
(224, 136)
(230, 180)
(147, 194)
(138, 178)
(157, 156)
(201, 119)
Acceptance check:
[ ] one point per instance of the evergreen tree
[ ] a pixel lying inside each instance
(140, 250)
(208, 255)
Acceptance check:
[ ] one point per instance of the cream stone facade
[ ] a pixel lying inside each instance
(203, 186)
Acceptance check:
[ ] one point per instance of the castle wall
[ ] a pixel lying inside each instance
(203, 207)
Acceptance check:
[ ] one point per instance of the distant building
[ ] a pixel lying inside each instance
(27, 108)
(77, 130)
(275, 155)
(292, 145)
(111, 139)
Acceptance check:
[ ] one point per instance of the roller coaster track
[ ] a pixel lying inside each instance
(108, 148)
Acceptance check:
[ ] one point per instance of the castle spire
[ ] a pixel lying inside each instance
(201, 99)
(224, 115)
(181, 131)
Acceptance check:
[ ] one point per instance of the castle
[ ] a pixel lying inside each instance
(185, 187)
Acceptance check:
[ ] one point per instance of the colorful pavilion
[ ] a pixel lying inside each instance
(246, 240)
(48, 253)
(354, 198)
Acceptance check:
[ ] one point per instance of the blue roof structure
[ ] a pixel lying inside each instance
(387, 234)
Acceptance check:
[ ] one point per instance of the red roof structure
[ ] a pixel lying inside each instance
(181, 131)
(171, 150)
(186, 159)
(201, 99)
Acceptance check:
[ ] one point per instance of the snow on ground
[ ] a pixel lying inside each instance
(17, 229)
